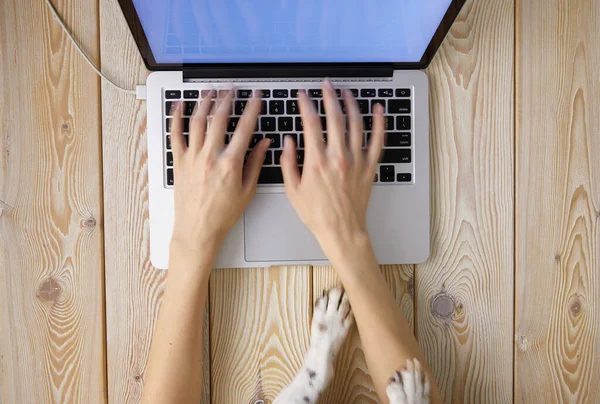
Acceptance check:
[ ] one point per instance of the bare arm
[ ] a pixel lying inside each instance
(213, 187)
(331, 198)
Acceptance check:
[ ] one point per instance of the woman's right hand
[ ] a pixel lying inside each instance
(332, 193)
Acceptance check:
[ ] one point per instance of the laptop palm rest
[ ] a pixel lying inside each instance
(274, 232)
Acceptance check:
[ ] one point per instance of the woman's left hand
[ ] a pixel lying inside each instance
(213, 182)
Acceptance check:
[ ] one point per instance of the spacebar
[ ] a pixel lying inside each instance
(270, 175)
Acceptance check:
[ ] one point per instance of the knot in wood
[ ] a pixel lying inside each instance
(49, 290)
(259, 402)
(90, 223)
(65, 128)
(442, 306)
(576, 306)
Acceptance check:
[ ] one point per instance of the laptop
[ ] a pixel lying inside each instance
(378, 50)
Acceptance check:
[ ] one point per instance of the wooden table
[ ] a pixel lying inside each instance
(507, 308)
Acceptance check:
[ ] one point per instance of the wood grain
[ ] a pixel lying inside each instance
(352, 383)
(133, 287)
(259, 331)
(465, 289)
(51, 285)
(557, 348)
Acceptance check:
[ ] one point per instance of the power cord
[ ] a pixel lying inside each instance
(87, 59)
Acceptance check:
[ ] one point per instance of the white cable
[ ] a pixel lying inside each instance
(82, 53)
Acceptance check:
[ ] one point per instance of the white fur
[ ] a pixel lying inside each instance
(332, 318)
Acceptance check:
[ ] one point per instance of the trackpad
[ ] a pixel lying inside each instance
(274, 232)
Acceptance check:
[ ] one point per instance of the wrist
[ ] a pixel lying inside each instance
(191, 262)
(343, 246)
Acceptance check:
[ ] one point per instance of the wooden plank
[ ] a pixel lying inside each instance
(51, 289)
(133, 287)
(351, 383)
(558, 205)
(260, 331)
(465, 289)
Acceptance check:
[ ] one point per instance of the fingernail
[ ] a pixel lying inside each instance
(328, 83)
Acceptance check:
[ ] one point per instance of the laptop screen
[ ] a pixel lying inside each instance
(289, 31)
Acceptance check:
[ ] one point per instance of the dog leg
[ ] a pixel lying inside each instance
(409, 386)
(332, 318)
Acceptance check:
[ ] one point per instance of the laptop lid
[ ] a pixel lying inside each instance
(284, 38)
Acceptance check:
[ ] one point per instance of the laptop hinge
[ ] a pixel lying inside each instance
(243, 72)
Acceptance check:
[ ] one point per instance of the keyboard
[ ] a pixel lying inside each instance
(280, 117)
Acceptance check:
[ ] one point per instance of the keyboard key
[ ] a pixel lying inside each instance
(169, 159)
(398, 139)
(387, 173)
(277, 154)
(168, 142)
(255, 139)
(191, 94)
(354, 92)
(227, 139)
(293, 136)
(285, 124)
(389, 123)
(263, 93)
(399, 107)
(396, 156)
(403, 122)
(172, 94)
(402, 92)
(300, 157)
(186, 139)
(316, 104)
(170, 179)
(367, 92)
(385, 92)
(367, 122)
(276, 107)
(299, 124)
(373, 102)
(292, 107)
(363, 106)
(323, 122)
(189, 107)
(239, 107)
(301, 141)
(343, 107)
(244, 93)
(404, 177)
(169, 108)
(280, 93)
(338, 92)
(294, 93)
(315, 93)
(275, 140)
(268, 158)
(267, 124)
(186, 124)
(232, 125)
(270, 175)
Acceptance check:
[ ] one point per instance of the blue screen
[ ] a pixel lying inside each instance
(289, 31)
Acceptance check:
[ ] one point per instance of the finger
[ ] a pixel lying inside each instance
(218, 125)
(376, 142)
(289, 165)
(199, 120)
(177, 140)
(245, 128)
(336, 133)
(355, 123)
(313, 132)
(253, 166)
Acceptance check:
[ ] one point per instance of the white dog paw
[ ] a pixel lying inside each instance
(332, 318)
(409, 386)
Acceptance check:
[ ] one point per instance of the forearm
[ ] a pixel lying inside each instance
(174, 368)
(387, 339)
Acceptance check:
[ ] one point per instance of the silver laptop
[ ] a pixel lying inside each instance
(276, 47)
